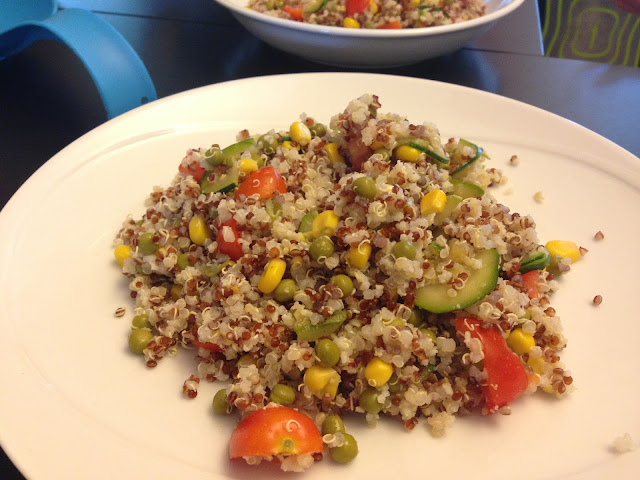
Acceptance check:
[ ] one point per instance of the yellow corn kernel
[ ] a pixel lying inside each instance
(351, 23)
(537, 365)
(332, 153)
(175, 292)
(121, 252)
(414, 3)
(433, 202)
(378, 372)
(564, 248)
(377, 144)
(247, 165)
(198, 230)
(273, 273)
(358, 257)
(322, 380)
(373, 6)
(287, 145)
(408, 154)
(520, 342)
(300, 133)
(325, 224)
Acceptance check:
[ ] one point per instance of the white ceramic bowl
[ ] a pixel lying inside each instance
(366, 48)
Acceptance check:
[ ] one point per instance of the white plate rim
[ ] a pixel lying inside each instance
(11, 212)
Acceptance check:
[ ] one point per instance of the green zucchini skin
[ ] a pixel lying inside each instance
(480, 283)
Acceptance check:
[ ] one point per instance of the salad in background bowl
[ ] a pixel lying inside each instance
(366, 47)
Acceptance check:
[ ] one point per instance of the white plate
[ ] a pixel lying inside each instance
(76, 404)
(366, 48)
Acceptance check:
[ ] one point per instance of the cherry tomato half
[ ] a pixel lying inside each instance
(356, 6)
(227, 239)
(263, 182)
(507, 378)
(394, 25)
(194, 169)
(530, 280)
(295, 12)
(273, 431)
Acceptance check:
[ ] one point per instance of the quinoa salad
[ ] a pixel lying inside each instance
(385, 14)
(356, 267)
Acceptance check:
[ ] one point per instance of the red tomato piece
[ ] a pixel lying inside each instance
(395, 25)
(356, 6)
(194, 169)
(358, 153)
(264, 182)
(274, 431)
(226, 244)
(507, 378)
(295, 12)
(530, 280)
(212, 347)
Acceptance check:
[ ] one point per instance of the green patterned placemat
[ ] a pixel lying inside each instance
(594, 30)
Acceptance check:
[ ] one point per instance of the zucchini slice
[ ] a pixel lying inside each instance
(434, 298)
(223, 183)
(466, 189)
(478, 152)
(419, 145)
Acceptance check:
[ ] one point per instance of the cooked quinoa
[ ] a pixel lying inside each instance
(373, 13)
(374, 218)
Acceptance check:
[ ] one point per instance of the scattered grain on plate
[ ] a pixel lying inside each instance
(120, 311)
(514, 160)
(583, 251)
(538, 197)
(597, 300)
(624, 444)
(599, 235)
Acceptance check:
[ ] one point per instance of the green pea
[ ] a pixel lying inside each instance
(139, 339)
(214, 156)
(332, 424)
(394, 384)
(285, 290)
(427, 370)
(328, 352)
(220, 404)
(318, 130)
(384, 153)
(321, 247)
(347, 452)
(146, 246)
(416, 318)
(365, 187)
(140, 321)
(344, 283)
(246, 360)
(183, 261)
(404, 249)
(369, 402)
(268, 143)
(282, 394)
(429, 332)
